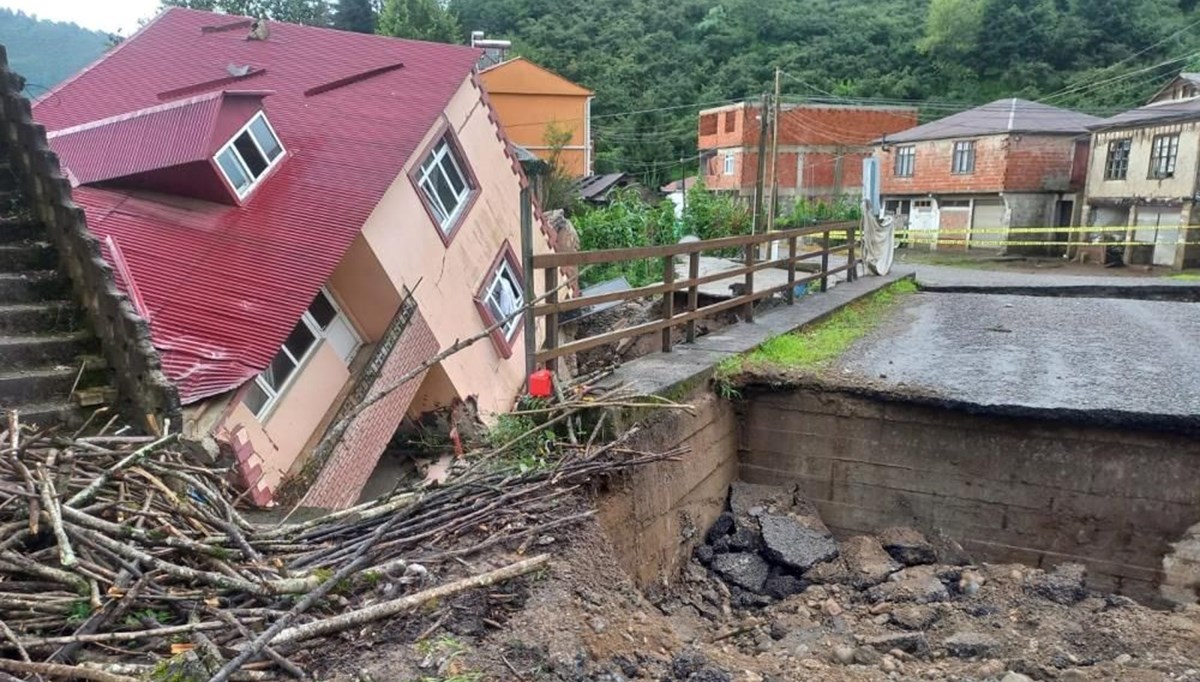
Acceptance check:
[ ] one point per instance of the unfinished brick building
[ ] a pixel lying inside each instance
(964, 180)
(821, 147)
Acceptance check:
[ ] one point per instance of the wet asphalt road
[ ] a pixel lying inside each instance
(1038, 352)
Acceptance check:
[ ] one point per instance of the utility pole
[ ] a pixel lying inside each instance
(683, 186)
(762, 163)
(773, 205)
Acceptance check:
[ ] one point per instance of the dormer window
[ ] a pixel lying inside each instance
(246, 158)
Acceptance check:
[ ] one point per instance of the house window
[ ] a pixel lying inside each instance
(322, 321)
(708, 124)
(503, 296)
(728, 163)
(445, 187)
(730, 121)
(1162, 156)
(964, 157)
(1116, 166)
(906, 161)
(250, 154)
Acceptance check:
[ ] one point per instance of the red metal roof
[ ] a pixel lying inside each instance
(224, 284)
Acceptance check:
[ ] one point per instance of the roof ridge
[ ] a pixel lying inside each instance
(157, 108)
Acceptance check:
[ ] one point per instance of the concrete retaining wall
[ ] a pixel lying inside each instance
(656, 516)
(1039, 492)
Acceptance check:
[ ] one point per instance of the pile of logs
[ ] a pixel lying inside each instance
(121, 559)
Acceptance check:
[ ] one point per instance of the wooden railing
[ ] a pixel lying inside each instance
(553, 307)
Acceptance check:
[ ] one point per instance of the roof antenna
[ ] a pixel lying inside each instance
(259, 30)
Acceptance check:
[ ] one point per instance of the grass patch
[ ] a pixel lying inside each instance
(964, 261)
(1185, 276)
(816, 346)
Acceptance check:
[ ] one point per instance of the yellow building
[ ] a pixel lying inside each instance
(533, 103)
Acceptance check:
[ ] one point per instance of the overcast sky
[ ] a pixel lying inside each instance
(112, 16)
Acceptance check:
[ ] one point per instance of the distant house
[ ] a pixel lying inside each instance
(598, 190)
(301, 219)
(533, 104)
(677, 190)
(821, 147)
(1144, 174)
(974, 175)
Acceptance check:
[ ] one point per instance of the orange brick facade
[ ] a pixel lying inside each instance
(1003, 163)
(821, 147)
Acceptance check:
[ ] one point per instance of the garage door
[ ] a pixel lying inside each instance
(985, 223)
(1161, 228)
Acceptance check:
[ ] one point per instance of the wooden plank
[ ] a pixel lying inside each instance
(825, 265)
(791, 293)
(610, 255)
(748, 311)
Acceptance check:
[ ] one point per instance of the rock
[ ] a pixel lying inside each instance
(948, 551)
(831, 608)
(909, 642)
(687, 663)
(790, 543)
(745, 540)
(908, 546)
(915, 617)
(1116, 601)
(705, 554)
(881, 619)
(829, 572)
(721, 527)
(1063, 586)
(1123, 659)
(783, 586)
(899, 655)
(710, 674)
(597, 624)
(747, 571)
(867, 564)
(744, 599)
(990, 669)
(911, 585)
(721, 546)
(777, 630)
(843, 654)
(1016, 677)
(970, 645)
(865, 655)
(969, 583)
(888, 665)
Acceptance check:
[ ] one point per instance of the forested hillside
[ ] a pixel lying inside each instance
(1096, 55)
(45, 52)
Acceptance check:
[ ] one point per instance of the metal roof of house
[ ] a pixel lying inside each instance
(224, 284)
(593, 187)
(1152, 114)
(1003, 116)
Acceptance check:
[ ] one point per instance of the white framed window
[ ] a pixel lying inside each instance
(503, 295)
(906, 161)
(445, 187)
(963, 161)
(323, 321)
(728, 163)
(253, 151)
(1164, 151)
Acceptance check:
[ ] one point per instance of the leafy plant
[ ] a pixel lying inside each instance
(81, 610)
(806, 212)
(626, 222)
(528, 448)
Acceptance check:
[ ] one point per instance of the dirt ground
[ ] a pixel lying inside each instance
(584, 620)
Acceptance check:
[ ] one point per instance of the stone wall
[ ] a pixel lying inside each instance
(1035, 491)
(655, 516)
(124, 336)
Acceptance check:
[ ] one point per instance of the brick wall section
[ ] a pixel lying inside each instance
(1034, 491)
(354, 458)
(824, 134)
(124, 335)
(1003, 163)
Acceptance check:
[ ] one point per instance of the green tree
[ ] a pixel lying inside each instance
(355, 15)
(419, 20)
(952, 28)
(307, 12)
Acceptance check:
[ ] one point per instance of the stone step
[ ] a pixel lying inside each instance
(50, 383)
(28, 352)
(46, 414)
(15, 231)
(33, 286)
(25, 256)
(40, 318)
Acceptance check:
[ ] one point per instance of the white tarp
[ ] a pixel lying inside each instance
(878, 242)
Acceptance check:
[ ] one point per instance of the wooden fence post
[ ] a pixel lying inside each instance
(668, 303)
(791, 292)
(851, 274)
(748, 309)
(825, 264)
(528, 273)
(693, 293)
(552, 318)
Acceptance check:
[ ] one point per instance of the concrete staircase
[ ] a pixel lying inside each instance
(50, 364)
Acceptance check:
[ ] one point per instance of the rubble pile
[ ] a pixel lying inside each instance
(122, 558)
